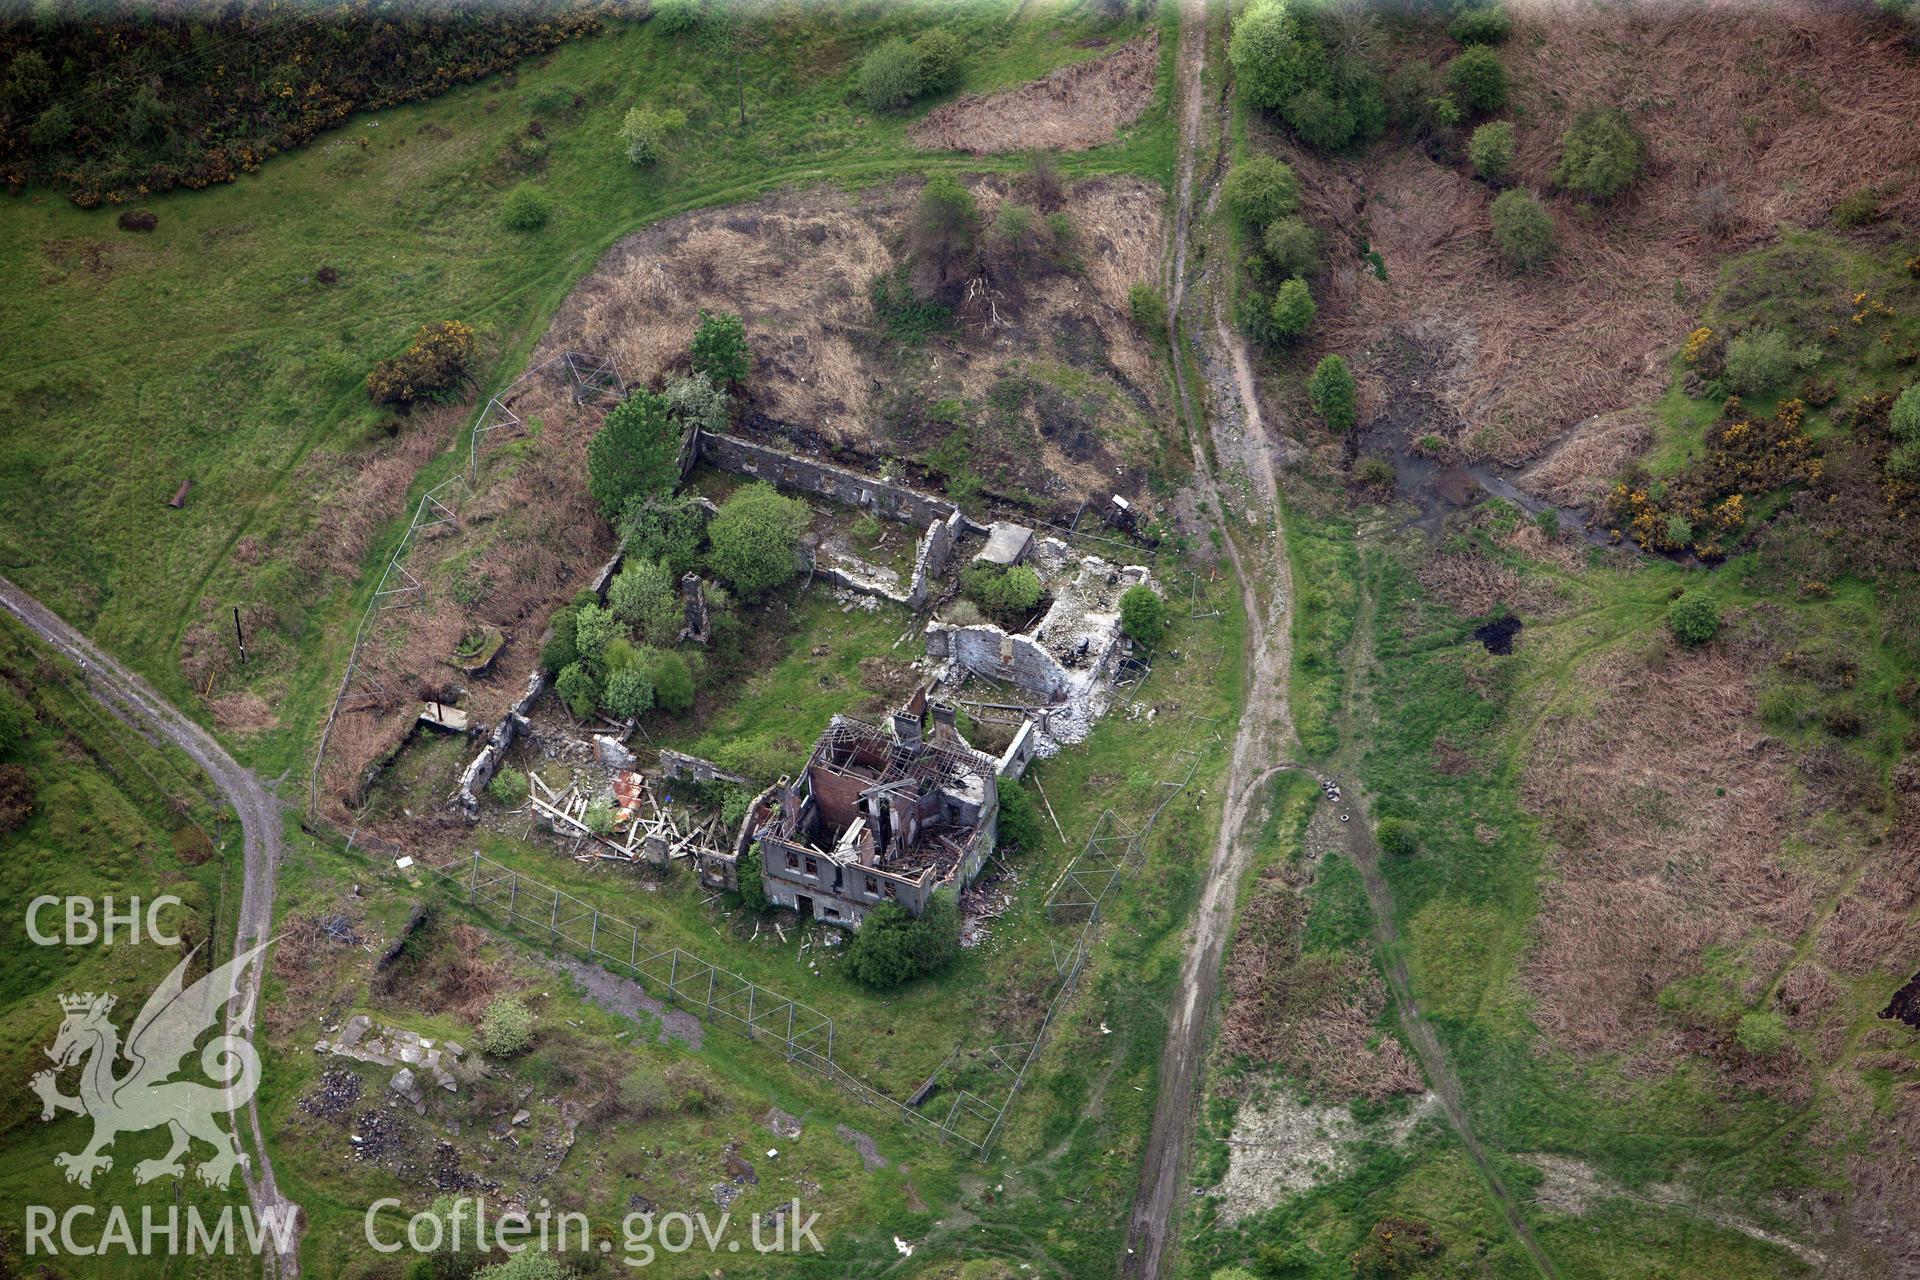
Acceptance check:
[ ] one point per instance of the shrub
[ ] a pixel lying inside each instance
(1904, 421)
(1323, 121)
(1261, 189)
(15, 720)
(747, 881)
(526, 209)
(594, 630)
(1006, 591)
(1333, 393)
(578, 689)
(1293, 310)
(1522, 229)
(669, 530)
(508, 787)
(942, 61)
(1374, 472)
(889, 77)
(891, 947)
(507, 1028)
(1019, 826)
(677, 16)
(754, 537)
(1149, 308)
(138, 220)
(1477, 81)
(946, 224)
(17, 796)
(1481, 24)
(1273, 59)
(1599, 156)
(1857, 208)
(1143, 614)
(1763, 1034)
(644, 596)
(646, 129)
(1694, 619)
(1292, 247)
(636, 453)
(642, 1095)
(671, 677)
(1904, 462)
(1491, 151)
(432, 368)
(529, 1265)
(1398, 837)
(1760, 362)
(719, 348)
(599, 818)
(695, 401)
(629, 693)
(552, 99)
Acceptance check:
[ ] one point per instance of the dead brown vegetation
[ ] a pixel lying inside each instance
(1074, 108)
(1312, 1013)
(1753, 116)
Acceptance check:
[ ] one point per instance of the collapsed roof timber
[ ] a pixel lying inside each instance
(878, 815)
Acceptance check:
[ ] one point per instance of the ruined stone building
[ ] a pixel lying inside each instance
(878, 815)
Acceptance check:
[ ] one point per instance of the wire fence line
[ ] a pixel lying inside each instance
(977, 1083)
(591, 376)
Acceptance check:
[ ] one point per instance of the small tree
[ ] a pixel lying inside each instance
(594, 629)
(1522, 229)
(1149, 308)
(1398, 837)
(578, 689)
(1009, 591)
(1759, 362)
(1293, 310)
(507, 1028)
(671, 678)
(644, 596)
(1694, 619)
(1481, 24)
(1143, 614)
(1904, 421)
(1292, 247)
(629, 692)
(752, 889)
(646, 129)
(560, 650)
(1762, 1034)
(1333, 393)
(635, 455)
(1599, 156)
(694, 401)
(1477, 81)
(1324, 122)
(889, 76)
(508, 787)
(946, 225)
(1273, 59)
(1019, 826)
(1261, 189)
(754, 538)
(1491, 151)
(670, 530)
(881, 954)
(720, 348)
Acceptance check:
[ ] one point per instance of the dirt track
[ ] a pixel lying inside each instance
(133, 701)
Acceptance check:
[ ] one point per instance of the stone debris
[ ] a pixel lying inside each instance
(385, 1046)
(780, 1122)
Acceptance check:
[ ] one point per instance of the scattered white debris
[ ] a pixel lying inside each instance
(906, 1250)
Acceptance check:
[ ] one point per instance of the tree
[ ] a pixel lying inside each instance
(1143, 614)
(1522, 229)
(1019, 825)
(946, 225)
(646, 129)
(508, 786)
(1261, 189)
(671, 677)
(1599, 156)
(644, 595)
(507, 1028)
(635, 454)
(629, 692)
(594, 629)
(1008, 591)
(1694, 619)
(720, 348)
(752, 889)
(942, 61)
(1761, 1034)
(670, 530)
(1149, 308)
(578, 689)
(889, 77)
(1324, 122)
(881, 953)
(694, 401)
(1397, 836)
(1293, 309)
(1273, 59)
(1491, 151)
(1477, 81)
(1292, 247)
(1481, 24)
(754, 538)
(561, 648)
(1332, 390)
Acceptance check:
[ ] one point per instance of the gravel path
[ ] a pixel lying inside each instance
(131, 699)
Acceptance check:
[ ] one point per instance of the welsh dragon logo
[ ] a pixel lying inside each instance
(147, 1096)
